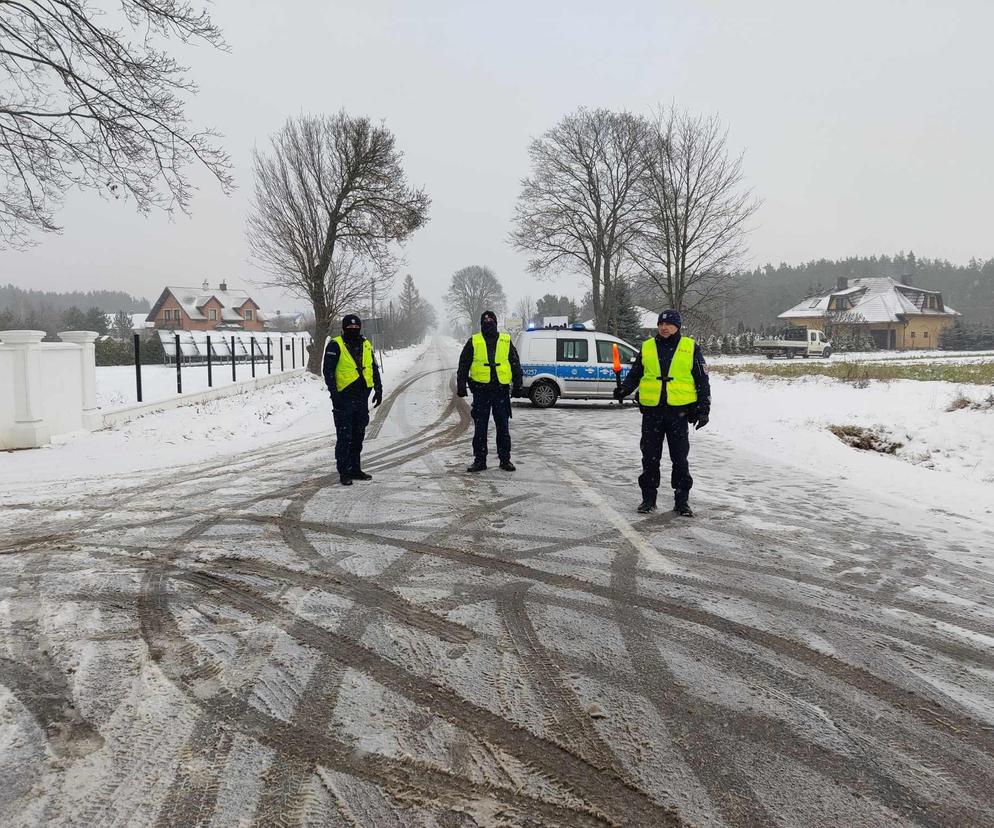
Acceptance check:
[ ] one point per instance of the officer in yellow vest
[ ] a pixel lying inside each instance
(674, 391)
(350, 372)
(489, 365)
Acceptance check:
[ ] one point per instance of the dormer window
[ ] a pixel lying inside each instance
(248, 313)
(213, 314)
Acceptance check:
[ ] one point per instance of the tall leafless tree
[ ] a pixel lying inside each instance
(581, 205)
(697, 211)
(525, 308)
(88, 106)
(472, 291)
(331, 200)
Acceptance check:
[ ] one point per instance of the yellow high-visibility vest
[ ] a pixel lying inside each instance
(347, 372)
(680, 389)
(479, 371)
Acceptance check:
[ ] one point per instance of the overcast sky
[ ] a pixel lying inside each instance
(867, 127)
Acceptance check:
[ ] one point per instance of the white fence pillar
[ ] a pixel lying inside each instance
(29, 429)
(92, 418)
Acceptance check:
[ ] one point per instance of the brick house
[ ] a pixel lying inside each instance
(206, 309)
(897, 315)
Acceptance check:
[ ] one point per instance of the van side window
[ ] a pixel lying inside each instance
(571, 350)
(605, 352)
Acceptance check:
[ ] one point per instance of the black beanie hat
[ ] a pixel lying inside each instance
(671, 316)
(350, 320)
(487, 313)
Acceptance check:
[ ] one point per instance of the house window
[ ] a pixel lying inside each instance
(169, 315)
(571, 350)
(248, 313)
(213, 315)
(925, 334)
(912, 334)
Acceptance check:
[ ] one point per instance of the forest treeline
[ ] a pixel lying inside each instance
(763, 293)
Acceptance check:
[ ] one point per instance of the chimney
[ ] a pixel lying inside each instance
(842, 283)
(205, 286)
(223, 286)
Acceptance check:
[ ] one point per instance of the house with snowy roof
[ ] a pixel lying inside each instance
(206, 309)
(896, 314)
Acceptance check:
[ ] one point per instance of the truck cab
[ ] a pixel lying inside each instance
(791, 342)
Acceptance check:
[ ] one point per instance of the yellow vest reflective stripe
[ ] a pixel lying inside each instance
(347, 372)
(680, 390)
(479, 371)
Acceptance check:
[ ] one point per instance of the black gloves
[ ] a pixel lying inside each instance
(619, 393)
(700, 419)
(461, 391)
(377, 397)
(516, 392)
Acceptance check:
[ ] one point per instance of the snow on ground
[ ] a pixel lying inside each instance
(947, 456)
(890, 357)
(195, 433)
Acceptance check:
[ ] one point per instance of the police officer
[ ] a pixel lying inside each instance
(350, 372)
(489, 364)
(674, 391)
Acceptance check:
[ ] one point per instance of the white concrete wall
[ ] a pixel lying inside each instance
(46, 388)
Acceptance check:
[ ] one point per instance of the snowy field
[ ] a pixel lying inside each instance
(946, 455)
(187, 435)
(889, 357)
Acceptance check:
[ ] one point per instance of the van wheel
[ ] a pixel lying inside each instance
(543, 394)
(826, 353)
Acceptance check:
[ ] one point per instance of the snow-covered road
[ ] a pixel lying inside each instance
(247, 642)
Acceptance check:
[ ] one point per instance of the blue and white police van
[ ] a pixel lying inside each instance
(574, 362)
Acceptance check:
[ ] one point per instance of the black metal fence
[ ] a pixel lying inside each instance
(181, 349)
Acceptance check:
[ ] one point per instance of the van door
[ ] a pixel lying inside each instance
(813, 346)
(576, 372)
(605, 364)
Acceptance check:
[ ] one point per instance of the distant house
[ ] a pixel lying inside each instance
(897, 315)
(205, 309)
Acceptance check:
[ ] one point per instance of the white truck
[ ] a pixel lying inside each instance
(792, 342)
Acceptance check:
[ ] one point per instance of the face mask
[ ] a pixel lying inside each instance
(489, 326)
(351, 334)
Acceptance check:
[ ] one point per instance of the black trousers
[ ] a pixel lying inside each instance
(351, 419)
(487, 402)
(671, 426)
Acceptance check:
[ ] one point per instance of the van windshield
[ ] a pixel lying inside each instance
(605, 351)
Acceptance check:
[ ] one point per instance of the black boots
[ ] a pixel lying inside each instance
(506, 465)
(345, 480)
(645, 507)
(680, 505)
(478, 466)
(360, 475)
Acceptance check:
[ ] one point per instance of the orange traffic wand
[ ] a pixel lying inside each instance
(616, 359)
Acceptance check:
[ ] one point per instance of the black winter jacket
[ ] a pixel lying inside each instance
(358, 388)
(667, 348)
(466, 360)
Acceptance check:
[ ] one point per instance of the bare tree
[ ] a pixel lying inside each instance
(525, 309)
(581, 205)
(473, 290)
(331, 199)
(84, 105)
(697, 211)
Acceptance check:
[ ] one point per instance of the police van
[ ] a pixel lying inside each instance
(575, 363)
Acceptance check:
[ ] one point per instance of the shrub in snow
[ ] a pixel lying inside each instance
(866, 439)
